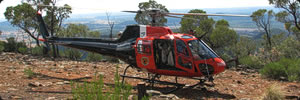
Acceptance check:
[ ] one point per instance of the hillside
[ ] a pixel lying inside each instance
(52, 80)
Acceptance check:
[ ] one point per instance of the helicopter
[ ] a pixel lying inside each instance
(152, 48)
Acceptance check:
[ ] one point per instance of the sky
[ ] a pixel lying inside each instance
(99, 6)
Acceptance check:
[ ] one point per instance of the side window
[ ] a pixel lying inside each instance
(181, 47)
(143, 47)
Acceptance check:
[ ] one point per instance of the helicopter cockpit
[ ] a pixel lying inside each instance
(181, 51)
(200, 50)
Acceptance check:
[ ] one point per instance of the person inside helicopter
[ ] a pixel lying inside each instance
(164, 54)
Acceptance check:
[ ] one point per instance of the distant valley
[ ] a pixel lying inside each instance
(243, 25)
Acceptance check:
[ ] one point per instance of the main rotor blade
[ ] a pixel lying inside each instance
(182, 17)
(204, 14)
(132, 11)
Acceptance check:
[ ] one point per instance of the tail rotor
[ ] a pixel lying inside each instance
(44, 32)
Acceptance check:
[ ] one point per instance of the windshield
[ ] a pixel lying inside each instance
(200, 50)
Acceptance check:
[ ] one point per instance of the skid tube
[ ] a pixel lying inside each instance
(176, 84)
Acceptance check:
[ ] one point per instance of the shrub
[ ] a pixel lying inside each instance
(251, 62)
(38, 50)
(2, 46)
(287, 68)
(22, 50)
(93, 57)
(13, 46)
(273, 70)
(293, 70)
(111, 59)
(29, 73)
(93, 90)
(273, 92)
(73, 54)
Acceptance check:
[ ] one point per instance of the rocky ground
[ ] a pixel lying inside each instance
(53, 78)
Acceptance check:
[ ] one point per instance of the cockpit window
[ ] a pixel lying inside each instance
(200, 50)
(186, 37)
(181, 47)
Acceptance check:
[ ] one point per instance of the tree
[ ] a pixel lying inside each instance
(55, 16)
(288, 27)
(78, 30)
(189, 22)
(23, 16)
(245, 46)
(296, 32)
(262, 18)
(224, 40)
(144, 18)
(290, 13)
(111, 24)
(200, 26)
(222, 36)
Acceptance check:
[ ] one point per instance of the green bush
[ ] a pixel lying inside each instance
(93, 57)
(273, 70)
(13, 46)
(73, 54)
(111, 59)
(93, 90)
(251, 62)
(38, 50)
(22, 50)
(286, 68)
(29, 73)
(293, 71)
(2, 46)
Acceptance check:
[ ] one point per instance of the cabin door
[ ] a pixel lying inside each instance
(183, 59)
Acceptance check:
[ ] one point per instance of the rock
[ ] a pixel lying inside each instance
(15, 97)
(242, 92)
(169, 96)
(244, 73)
(12, 89)
(59, 83)
(239, 82)
(245, 99)
(67, 82)
(130, 97)
(61, 67)
(226, 89)
(51, 98)
(32, 85)
(153, 92)
(233, 85)
(101, 73)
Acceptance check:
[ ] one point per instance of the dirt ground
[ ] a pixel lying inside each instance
(53, 79)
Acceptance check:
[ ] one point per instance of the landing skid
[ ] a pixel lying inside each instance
(176, 84)
(154, 79)
(152, 82)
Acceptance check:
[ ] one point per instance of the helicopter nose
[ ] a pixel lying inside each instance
(220, 65)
